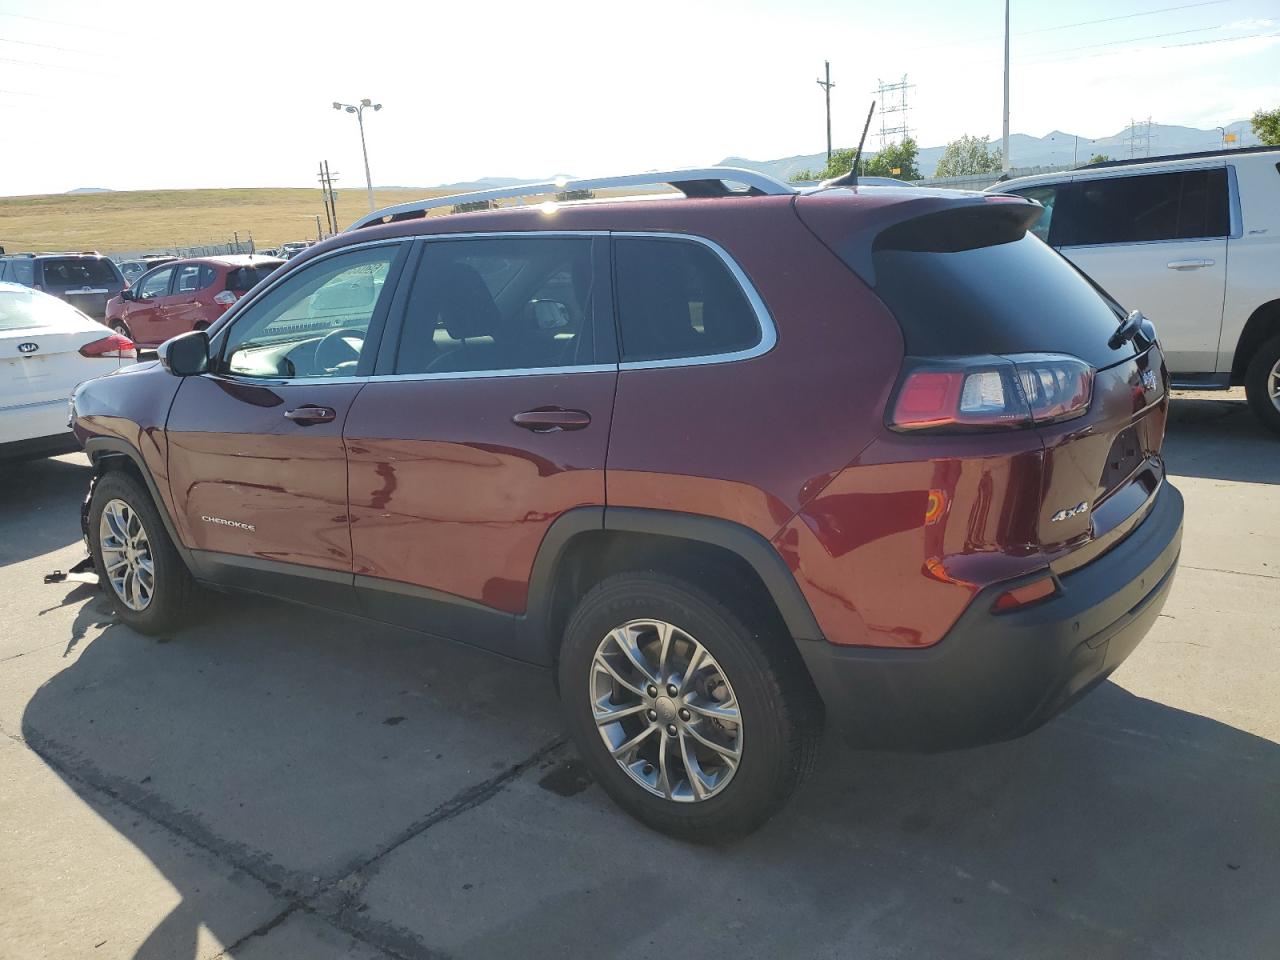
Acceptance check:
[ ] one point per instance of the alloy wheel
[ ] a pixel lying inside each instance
(666, 711)
(1273, 385)
(126, 555)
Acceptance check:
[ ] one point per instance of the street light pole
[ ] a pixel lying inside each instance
(1004, 146)
(358, 110)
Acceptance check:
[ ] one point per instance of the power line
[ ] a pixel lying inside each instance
(60, 66)
(1041, 59)
(1125, 16)
(50, 46)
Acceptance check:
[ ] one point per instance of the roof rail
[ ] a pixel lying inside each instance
(1161, 158)
(696, 182)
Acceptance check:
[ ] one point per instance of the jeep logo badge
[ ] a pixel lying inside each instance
(1149, 380)
(28, 347)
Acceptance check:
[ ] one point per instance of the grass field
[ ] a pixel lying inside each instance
(146, 219)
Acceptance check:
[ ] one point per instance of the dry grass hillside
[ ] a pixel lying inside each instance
(145, 219)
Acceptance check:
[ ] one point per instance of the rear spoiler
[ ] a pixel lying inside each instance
(854, 226)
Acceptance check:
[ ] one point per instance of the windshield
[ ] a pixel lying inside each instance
(78, 272)
(20, 309)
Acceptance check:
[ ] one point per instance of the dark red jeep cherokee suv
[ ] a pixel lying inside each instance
(732, 464)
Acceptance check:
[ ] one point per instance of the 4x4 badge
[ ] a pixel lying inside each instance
(1070, 512)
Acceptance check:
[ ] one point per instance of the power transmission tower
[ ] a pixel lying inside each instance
(892, 98)
(1140, 137)
(826, 86)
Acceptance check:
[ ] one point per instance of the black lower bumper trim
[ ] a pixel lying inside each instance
(997, 676)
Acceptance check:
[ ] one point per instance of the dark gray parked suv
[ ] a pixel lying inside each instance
(85, 280)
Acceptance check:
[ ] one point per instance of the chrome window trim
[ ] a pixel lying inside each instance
(768, 332)
(1233, 195)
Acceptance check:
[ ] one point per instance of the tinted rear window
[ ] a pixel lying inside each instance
(1006, 293)
(243, 279)
(79, 272)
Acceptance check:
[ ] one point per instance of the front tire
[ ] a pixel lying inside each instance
(695, 724)
(1262, 383)
(138, 567)
(122, 328)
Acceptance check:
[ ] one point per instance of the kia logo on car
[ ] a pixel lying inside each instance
(28, 347)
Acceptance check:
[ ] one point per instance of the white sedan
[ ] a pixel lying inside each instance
(47, 347)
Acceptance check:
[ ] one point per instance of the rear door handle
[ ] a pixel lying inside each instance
(552, 419)
(1189, 264)
(309, 413)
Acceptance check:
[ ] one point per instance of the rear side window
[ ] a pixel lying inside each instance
(1004, 293)
(79, 272)
(1047, 197)
(678, 299)
(501, 303)
(188, 279)
(1157, 206)
(22, 271)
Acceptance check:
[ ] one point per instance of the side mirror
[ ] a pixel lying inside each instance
(185, 355)
(126, 294)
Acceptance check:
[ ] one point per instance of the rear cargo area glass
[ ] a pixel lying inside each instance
(77, 272)
(1017, 296)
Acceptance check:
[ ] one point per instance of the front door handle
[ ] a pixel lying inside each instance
(1189, 264)
(309, 413)
(552, 419)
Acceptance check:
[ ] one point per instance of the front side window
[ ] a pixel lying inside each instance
(1148, 207)
(677, 299)
(315, 323)
(155, 285)
(500, 303)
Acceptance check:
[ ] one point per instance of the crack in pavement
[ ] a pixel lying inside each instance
(325, 898)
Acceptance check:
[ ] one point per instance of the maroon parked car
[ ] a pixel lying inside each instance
(734, 465)
(184, 295)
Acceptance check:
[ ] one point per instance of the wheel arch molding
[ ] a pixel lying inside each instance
(104, 453)
(578, 551)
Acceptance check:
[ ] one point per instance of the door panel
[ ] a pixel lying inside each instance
(143, 314)
(460, 464)
(183, 308)
(1177, 284)
(250, 481)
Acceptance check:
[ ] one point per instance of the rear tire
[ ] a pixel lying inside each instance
(692, 733)
(1262, 383)
(138, 567)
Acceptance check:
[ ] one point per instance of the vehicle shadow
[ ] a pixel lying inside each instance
(1219, 438)
(297, 747)
(33, 499)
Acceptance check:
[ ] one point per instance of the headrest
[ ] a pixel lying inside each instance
(466, 307)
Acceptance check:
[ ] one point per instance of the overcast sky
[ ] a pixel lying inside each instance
(164, 95)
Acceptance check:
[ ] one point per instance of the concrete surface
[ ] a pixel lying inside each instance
(280, 783)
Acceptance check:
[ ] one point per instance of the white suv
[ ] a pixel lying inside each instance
(1192, 241)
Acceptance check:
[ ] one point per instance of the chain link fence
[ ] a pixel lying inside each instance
(189, 250)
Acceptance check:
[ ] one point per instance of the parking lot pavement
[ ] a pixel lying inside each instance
(281, 783)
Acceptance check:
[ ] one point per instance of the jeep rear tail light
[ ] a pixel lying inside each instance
(226, 298)
(115, 346)
(991, 393)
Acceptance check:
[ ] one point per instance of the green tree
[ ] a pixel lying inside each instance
(896, 160)
(1099, 158)
(1266, 124)
(968, 155)
(899, 156)
(841, 162)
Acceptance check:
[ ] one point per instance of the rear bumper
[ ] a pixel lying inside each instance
(995, 677)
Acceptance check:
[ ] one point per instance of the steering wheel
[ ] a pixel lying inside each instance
(336, 348)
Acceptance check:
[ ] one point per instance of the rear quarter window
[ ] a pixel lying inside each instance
(678, 299)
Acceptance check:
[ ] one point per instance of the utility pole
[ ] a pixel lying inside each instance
(1004, 144)
(324, 196)
(333, 197)
(826, 85)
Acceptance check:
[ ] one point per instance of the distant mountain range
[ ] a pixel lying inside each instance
(1056, 149)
